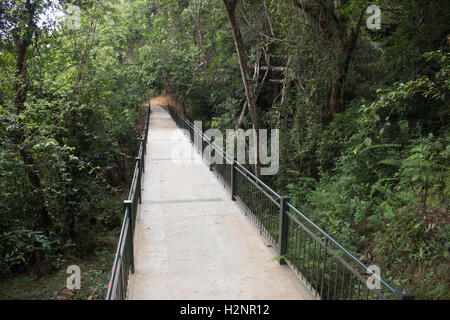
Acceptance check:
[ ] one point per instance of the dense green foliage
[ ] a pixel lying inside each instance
(69, 102)
(363, 117)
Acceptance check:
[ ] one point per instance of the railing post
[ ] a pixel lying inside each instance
(283, 228)
(211, 151)
(139, 180)
(143, 154)
(403, 294)
(146, 139)
(128, 204)
(233, 179)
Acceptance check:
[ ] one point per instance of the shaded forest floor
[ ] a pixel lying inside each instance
(95, 273)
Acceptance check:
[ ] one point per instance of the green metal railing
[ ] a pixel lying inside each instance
(329, 270)
(124, 259)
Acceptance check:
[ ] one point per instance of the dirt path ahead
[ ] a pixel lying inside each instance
(167, 99)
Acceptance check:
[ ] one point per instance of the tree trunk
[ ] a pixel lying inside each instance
(337, 93)
(230, 6)
(23, 41)
(327, 23)
(340, 77)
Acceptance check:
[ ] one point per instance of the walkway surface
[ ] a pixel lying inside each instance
(191, 240)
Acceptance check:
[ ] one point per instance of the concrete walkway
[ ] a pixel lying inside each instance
(192, 241)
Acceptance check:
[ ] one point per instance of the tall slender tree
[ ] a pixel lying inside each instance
(230, 6)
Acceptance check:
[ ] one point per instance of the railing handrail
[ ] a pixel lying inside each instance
(229, 157)
(116, 257)
(337, 244)
(126, 234)
(258, 181)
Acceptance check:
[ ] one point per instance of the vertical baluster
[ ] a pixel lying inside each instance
(308, 261)
(359, 289)
(332, 258)
(342, 283)
(335, 278)
(324, 263)
(350, 291)
(233, 179)
(284, 224)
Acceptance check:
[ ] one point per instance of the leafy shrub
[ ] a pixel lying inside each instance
(20, 248)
